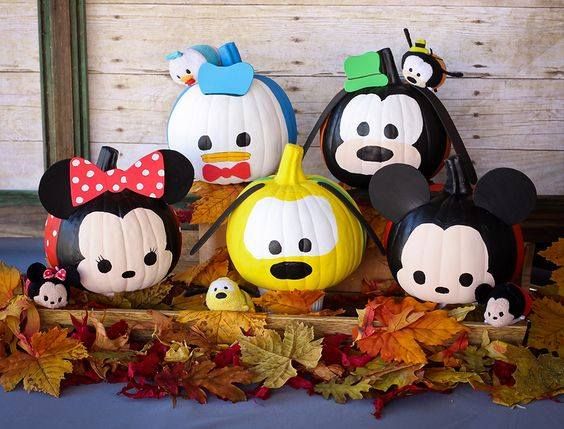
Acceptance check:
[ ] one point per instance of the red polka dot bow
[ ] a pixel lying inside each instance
(55, 273)
(145, 177)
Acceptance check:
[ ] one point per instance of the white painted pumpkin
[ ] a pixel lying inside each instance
(219, 134)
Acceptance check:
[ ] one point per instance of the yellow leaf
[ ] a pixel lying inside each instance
(178, 352)
(213, 201)
(351, 387)
(194, 302)
(205, 273)
(48, 359)
(10, 279)
(448, 378)
(547, 326)
(288, 302)
(555, 252)
(223, 327)
(19, 309)
(270, 357)
(382, 375)
(535, 378)
(406, 325)
(460, 313)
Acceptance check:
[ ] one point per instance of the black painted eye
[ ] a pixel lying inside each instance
(45, 298)
(150, 258)
(204, 143)
(418, 74)
(419, 277)
(363, 129)
(466, 279)
(178, 76)
(60, 299)
(410, 69)
(104, 266)
(188, 71)
(243, 140)
(489, 314)
(304, 245)
(391, 131)
(275, 247)
(225, 287)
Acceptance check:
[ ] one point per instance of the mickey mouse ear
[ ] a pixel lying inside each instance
(397, 189)
(507, 193)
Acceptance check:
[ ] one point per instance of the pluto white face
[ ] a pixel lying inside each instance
(417, 71)
(126, 254)
(444, 266)
(377, 133)
(281, 229)
(51, 295)
(229, 139)
(497, 313)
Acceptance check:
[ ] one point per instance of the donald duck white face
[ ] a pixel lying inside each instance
(184, 65)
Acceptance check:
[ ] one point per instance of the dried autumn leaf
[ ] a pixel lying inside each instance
(194, 302)
(375, 219)
(406, 325)
(535, 378)
(289, 302)
(327, 372)
(213, 201)
(460, 313)
(21, 310)
(218, 381)
(10, 279)
(103, 342)
(139, 299)
(449, 378)
(547, 326)
(168, 331)
(555, 252)
(383, 375)
(203, 274)
(352, 387)
(270, 357)
(223, 327)
(377, 287)
(178, 352)
(48, 359)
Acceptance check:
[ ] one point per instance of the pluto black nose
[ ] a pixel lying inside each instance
(128, 274)
(291, 270)
(441, 289)
(221, 295)
(411, 79)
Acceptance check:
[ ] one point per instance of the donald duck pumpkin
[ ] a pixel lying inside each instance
(233, 124)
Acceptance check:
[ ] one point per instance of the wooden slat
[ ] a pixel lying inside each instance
(141, 322)
(20, 112)
(313, 40)
(477, 3)
(21, 164)
(488, 113)
(19, 49)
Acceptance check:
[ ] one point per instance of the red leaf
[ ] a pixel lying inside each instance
(169, 379)
(117, 330)
(148, 365)
(503, 371)
(259, 392)
(229, 356)
(82, 332)
(135, 390)
(298, 382)
(383, 399)
(337, 350)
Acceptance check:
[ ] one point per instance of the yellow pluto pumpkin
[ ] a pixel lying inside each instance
(293, 232)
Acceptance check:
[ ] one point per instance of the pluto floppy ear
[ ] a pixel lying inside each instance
(482, 293)
(397, 189)
(179, 175)
(506, 193)
(55, 190)
(35, 272)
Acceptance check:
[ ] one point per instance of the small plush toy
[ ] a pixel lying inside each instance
(421, 67)
(506, 303)
(225, 294)
(50, 287)
(184, 65)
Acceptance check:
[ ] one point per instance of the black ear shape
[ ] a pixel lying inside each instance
(506, 193)
(179, 175)
(55, 191)
(482, 293)
(35, 272)
(73, 277)
(397, 189)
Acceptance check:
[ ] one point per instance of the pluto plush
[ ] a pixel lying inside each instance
(225, 294)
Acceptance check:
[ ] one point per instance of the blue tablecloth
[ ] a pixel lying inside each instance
(99, 405)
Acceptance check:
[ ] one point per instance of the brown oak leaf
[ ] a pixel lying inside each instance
(218, 381)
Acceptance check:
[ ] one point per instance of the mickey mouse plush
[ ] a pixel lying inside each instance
(50, 287)
(506, 303)
(440, 249)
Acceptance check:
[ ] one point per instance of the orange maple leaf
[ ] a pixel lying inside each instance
(288, 302)
(10, 279)
(205, 273)
(405, 325)
(213, 201)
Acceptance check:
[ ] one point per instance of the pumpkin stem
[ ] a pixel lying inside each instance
(388, 66)
(107, 159)
(229, 54)
(457, 183)
(290, 170)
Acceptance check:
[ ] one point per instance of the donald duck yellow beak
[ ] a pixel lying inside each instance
(188, 79)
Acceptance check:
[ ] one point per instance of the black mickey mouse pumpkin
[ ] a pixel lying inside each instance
(115, 226)
(441, 249)
(378, 120)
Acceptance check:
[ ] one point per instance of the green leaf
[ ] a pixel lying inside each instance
(352, 387)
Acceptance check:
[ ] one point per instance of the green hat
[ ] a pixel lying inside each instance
(363, 71)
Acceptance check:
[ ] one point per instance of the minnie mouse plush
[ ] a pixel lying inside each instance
(50, 287)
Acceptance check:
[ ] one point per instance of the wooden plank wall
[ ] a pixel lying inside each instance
(21, 146)
(509, 107)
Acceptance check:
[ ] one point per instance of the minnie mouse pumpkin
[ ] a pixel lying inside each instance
(441, 249)
(115, 226)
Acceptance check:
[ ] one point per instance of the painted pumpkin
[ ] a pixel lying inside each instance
(233, 124)
(378, 120)
(442, 249)
(115, 226)
(293, 232)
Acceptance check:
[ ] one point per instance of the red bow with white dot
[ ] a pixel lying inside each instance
(145, 177)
